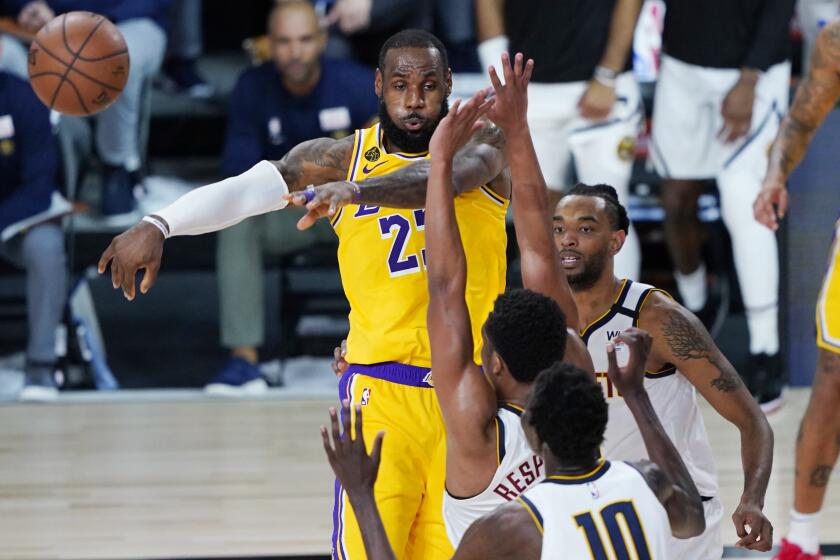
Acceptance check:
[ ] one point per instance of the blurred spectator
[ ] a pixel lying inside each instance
(296, 97)
(721, 94)
(454, 23)
(117, 130)
(28, 173)
(584, 104)
(185, 46)
(361, 26)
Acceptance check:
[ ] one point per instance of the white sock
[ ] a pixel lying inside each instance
(692, 288)
(804, 531)
(763, 326)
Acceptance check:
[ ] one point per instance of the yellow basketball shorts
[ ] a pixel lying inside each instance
(828, 305)
(399, 400)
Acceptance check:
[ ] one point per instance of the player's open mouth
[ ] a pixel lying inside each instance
(569, 260)
(414, 124)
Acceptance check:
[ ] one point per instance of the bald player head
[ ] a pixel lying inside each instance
(297, 42)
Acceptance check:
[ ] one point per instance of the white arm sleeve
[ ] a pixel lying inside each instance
(490, 53)
(226, 203)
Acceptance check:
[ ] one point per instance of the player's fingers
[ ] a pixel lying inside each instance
(782, 204)
(307, 220)
(129, 274)
(360, 436)
(507, 69)
(106, 257)
(494, 79)
(612, 362)
(149, 278)
(766, 536)
(115, 274)
(346, 420)
(517, 65)
(376, 449)
(328, 448)
(738, 520)
(529, 71)
(295, 199)
(334, 426)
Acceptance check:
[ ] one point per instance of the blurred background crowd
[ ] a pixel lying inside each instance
(675, 108)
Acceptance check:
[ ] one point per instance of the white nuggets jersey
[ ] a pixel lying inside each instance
(518, 470)
(610, 512)
(672, 395)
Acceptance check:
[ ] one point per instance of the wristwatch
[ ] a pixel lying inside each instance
(605, 76)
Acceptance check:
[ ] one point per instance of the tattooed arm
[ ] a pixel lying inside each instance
(681, 340)
(479, 162)
(815, 97)
(316, 162)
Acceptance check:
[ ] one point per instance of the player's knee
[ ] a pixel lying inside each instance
(678, 202)
(828, 371)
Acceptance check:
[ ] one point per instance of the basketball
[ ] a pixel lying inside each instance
(78, 63)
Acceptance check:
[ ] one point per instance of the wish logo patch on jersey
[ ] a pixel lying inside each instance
(365, 396)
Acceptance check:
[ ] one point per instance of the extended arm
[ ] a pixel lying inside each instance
(816, 96)
(620, 40)
(680, 339)
(668, 477)
(467, 401)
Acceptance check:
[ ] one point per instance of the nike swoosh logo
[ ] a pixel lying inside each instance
(367, 170)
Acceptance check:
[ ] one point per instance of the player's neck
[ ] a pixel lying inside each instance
(556, 467)
(300, 89)
(517, 395)
(594, 301)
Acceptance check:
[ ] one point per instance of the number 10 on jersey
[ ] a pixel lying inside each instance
(399, 228)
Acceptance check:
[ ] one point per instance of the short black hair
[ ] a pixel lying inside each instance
(617, 213)
(528, 330)
(413, 39)
(568, 410)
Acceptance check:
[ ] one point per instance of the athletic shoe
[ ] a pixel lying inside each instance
(790, 551)
(764, 381)
(39, 384)
(117, 192)
(238, 377)
(182, 75)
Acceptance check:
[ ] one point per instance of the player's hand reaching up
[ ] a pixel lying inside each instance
(631, 348)
(141, 247)
(459, 125)
(510, 109)
(355, 470)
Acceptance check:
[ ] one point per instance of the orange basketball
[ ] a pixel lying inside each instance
(78, 63)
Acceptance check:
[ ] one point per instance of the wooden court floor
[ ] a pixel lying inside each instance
(209, 478)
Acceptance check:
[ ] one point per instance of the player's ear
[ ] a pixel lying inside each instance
(617, 240)
(377, 83)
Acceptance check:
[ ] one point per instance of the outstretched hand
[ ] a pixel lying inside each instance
(771, 204)
(511, 103)
(631, 376)
(355, 470)
(458, 126)
(322, 201)
(141, 247)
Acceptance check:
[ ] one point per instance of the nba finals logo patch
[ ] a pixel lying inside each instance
(365, 396)
(627, 148)
(372, 154)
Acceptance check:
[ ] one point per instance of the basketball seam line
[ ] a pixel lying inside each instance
(76, 70)
(72, 62)
(78, 54)
(101, 58)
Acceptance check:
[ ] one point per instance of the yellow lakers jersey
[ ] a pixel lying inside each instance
(382, 258)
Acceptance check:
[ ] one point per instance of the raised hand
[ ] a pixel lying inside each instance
(629, 377)
(459, 125)
(510, 108)
(141, 247)
(355, 470)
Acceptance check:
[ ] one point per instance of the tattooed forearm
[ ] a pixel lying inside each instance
(316, 162)
(815, 97)
(820, 475)
(691, 342)
(476, 164)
